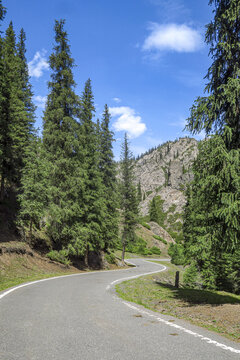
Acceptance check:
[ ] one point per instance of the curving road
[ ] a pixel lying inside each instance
(79, 317)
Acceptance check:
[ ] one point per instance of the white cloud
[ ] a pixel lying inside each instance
(117, 100)
(40, 101)
(128, 121)
(172, 37)
(38, 64)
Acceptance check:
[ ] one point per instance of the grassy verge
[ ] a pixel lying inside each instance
(214, 310)
(21, 265)
(7, 283)
(128, 255)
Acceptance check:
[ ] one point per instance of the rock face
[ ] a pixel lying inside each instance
(165, 171)
(158, 230)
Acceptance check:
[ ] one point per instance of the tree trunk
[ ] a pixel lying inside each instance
(123, 249)
(86, 256)
(2, 191)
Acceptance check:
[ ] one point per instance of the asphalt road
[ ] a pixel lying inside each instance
(80, 317)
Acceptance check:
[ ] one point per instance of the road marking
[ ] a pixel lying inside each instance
(178, 327)
(181, 328)
(5, 293)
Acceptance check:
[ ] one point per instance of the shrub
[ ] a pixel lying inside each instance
(160, 239)
(110, 258)
(147, 226)
(59, 256)
(176, 252)
(155, 250)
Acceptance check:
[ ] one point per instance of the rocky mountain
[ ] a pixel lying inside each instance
(164, 172)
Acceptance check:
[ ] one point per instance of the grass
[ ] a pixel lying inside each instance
(214, 310)
(128, 255)
(7, 283)
(18, 268)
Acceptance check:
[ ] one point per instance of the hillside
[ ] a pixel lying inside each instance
(165, 172)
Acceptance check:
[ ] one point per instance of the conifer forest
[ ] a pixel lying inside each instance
(62, 190)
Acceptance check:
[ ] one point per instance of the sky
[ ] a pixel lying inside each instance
(146, 58)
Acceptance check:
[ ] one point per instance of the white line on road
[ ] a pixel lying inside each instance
(179, 327)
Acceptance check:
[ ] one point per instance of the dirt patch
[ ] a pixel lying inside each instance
(222, 318)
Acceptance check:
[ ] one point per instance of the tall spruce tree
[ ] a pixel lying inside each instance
(26, 87)
(108, 174)
(211, 221)
(14, 118)
(33, 198)
(211, 224)
(93, 202)
(129, 204)
(61, 144)
(139, 192)
(221, 106)
(2, 15)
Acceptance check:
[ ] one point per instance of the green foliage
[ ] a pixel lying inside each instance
(176, 251)
(110, 258)
(139, 192)
(211, 220)
(33, 198)
(60, 140)
(15, 106)
(172, 208)
(155, 250)
(149, 192)
(147, 226)
(129, 204)
(108, 174)
(160, 239)
(220, 108)
(59, 256)
(190, 277)
(156, 211)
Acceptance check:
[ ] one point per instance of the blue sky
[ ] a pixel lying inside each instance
(146, 59)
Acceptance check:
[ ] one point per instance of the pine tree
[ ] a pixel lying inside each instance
(33, 199)
(26, 87)
(211, 222)
(129, 197)
(14, 116)
(156, 210)
(220, 108)
(139, 192)
(61, 145)
(93, 202)
(108, 174)
(2, 15)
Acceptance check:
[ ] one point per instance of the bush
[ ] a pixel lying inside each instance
(176, 252)
(59, 256)
(190, 276)
(147, 226)
(160, 239)
(155, 250)
(110, 258)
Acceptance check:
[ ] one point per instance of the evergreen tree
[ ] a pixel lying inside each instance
(61, 145)
(156, 211)
(108, 174)
(2, 15)
(26, 87)
(93, 202)
(211, 222)
(33, 199)
(14, 119)
(129, 197)
(220, 108)
(139, 192)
